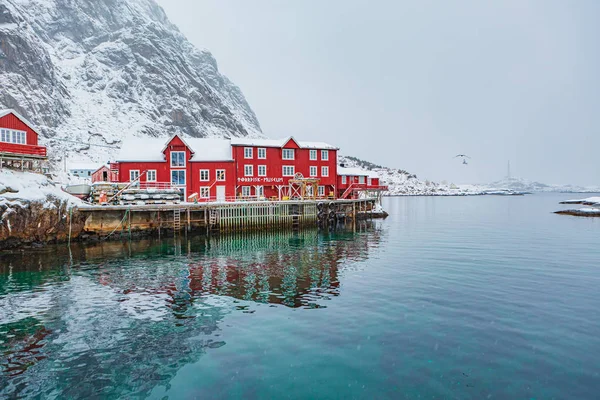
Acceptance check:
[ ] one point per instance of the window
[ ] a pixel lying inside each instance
(324, 171)
(361, 179)
(369, 182)
(288, 170)
(321, 190)
(151, 175)
(247, 152)
(262, 170)
(262, 153)
(313, 171)
(204, 175)
(178, 178)
(313, 155)
(134, 174)
(288, 154)
(260, 191)
(10, 136)
(248, 170)
(245, 191)
(178, 159)
(324, 155)
(343, 179)
(205, 192)
(221, 175)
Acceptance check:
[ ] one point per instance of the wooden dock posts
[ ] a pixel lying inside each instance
(223, 217)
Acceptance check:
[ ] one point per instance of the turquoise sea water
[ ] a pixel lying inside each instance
(449, 298)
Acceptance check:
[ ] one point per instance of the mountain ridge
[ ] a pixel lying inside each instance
(93, 72)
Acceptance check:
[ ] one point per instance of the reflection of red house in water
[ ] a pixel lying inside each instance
(19, 142)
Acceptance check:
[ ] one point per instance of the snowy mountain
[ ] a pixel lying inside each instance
(403, 183)
(524, 185)
(94, 71)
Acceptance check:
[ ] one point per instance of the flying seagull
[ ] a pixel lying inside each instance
(464, 158)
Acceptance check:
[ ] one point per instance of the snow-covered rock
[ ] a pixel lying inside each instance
(33, 209)
(96, 71)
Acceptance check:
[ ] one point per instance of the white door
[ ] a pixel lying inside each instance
(220, 193)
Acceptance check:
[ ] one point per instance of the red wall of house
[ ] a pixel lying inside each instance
(194, 182)
(275, 162)
(11, 121)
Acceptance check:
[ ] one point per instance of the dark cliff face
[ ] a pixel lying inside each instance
(97, 70)
(38, 222)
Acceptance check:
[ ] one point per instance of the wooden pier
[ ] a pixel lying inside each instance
(216, 217)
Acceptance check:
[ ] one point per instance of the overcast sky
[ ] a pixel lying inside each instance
(410, 84)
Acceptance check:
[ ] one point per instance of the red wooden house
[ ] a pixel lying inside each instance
(352, 181)
(226, 169)
(264, 167)
(104, 174)
(204, 167)
(19, 141)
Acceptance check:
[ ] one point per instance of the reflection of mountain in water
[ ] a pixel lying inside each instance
(130, 315)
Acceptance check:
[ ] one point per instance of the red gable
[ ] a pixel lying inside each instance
(10, 119)
(291, 144)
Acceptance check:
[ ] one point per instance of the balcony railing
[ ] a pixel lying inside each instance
(22, 149)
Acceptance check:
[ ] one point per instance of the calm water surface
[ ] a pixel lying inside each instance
(449, 298)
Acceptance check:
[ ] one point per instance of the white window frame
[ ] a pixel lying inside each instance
(184, 160)
(207, 171)
(283, 173)
(148, 175)
(313, 171)
(325, 171)
(260, 191)
(343, 179)
(325, 155)
(206, 190)
(248, 167)
(137, 172)
(184, 177)
(369, 181)
(248, 153)
(285, 151)
(13, 136)
(246, 191)
(261, 152)
(313, 155)
(321, 191)
(219, 179)
(264, 170)
(361, 179)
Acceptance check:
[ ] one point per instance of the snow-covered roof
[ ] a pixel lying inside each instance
(22, 118)
(141, 149)
(210, 149)
(279, 143)
(352, 171)
(151, 149)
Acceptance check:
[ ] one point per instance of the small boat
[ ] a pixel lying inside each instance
(81, 190)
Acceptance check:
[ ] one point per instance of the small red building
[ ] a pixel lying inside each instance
(352, 181)
(18, 140)
(104, 174)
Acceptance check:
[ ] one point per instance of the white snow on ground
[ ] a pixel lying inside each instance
(23, 187)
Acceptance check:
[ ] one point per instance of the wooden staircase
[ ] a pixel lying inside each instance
(177, 220)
